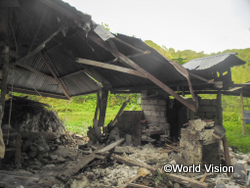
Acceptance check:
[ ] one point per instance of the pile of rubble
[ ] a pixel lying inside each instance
(72, 164)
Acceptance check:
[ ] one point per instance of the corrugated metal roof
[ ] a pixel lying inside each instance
(72, 42)
(224, 60)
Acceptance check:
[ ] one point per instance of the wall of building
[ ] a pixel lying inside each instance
(208, 109)
(155, 112)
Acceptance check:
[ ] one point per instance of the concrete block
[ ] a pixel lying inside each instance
(157, 114)
(160, 108)
(162, 120)
(162, 102)
(153, 101)
(214, 102)
(147, 113)
(200, 115)
(144, 102)
(207, 109)
(144, 94)
(163, 113)
(205, 102)
(165, 126)
(148, 107)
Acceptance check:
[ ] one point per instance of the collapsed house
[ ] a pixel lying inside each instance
(49, 48)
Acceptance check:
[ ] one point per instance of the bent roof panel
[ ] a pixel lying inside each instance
(220, 61)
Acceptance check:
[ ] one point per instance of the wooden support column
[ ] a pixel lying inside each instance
(4, 57)
(103, 106)
(224, 139)
(95, 121)
(4, 52)
(219, 108)
(137, 134)
(242, 113)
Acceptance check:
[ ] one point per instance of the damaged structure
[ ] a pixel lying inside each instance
(49, 48)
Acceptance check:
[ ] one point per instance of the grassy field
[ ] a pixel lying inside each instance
(78, 115)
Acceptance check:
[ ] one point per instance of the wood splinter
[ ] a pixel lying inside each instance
(143, 172)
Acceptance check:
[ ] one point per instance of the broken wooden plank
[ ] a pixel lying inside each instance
(201, 176)
(131, 162)
(112, 123)
(18, 150)
(111, 146)
(73, 169)
(83, 161)
(204, 177)
(109, 66)
(18, 178)
(137, 134)
(143, 172)
(187, 181)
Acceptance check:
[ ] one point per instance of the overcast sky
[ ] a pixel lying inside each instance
(199, 25)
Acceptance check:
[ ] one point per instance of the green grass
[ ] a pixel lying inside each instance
(233, 126)
(77, 116)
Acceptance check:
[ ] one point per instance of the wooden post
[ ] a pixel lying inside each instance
(18, 150)
(4, 56)
(219, 108)
(95, 121)
(242, 113)
(224, 139)
(103, 106)
(137, 134)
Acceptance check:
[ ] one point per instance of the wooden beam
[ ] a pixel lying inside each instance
(111, 146)
(224, 139)
(32, 92)
(131, 162)
(103, 106)
(187, 181)
(201, 78)
(141, 70)
(55, 74)
(131, 46)
(242, 113)
(95, 120)
(109, 66)
(4, 56)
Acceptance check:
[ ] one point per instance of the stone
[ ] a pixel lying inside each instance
(221, 186)
(60, 159)
(32, 154)
(177, 185)
(57, 141)
(233, 161)
(114, 182)
(53, 157)
(49, 166)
